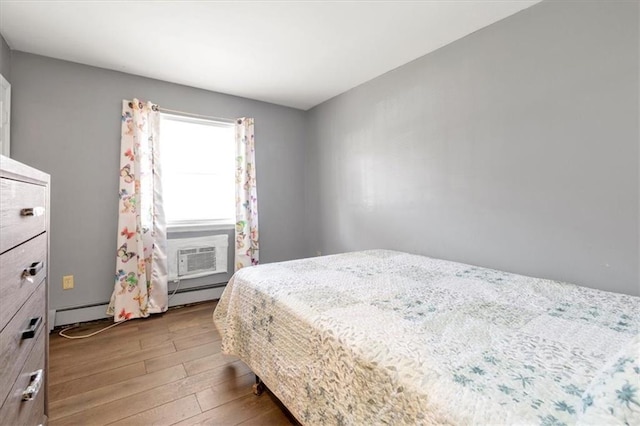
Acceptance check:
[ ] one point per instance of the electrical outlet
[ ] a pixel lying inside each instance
(67, 282)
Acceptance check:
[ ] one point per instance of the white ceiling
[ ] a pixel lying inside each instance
(293, 53)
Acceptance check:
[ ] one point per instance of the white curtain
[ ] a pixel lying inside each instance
(141, 261)
(247, 241)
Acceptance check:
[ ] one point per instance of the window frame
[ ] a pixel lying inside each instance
(197, 225)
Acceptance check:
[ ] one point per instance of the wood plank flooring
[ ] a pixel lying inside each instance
(163, 370)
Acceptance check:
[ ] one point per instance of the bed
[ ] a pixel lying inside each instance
(384, 337)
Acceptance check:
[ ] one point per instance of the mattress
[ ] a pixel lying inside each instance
(384, 337)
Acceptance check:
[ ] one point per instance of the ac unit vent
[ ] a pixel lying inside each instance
(196, 260)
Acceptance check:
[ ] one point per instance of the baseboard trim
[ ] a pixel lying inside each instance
(52, 319)
(96, 312)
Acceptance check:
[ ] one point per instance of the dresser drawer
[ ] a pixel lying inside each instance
(14, 226)
(15, 411)
(14, 350)
(15, 288)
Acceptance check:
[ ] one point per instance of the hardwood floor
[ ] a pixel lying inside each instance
(166, 369)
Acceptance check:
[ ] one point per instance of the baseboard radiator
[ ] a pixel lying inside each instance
(98, 311)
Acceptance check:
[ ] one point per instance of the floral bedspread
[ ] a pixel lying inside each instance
(384, 337)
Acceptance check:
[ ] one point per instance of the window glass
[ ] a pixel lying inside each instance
(197, 170)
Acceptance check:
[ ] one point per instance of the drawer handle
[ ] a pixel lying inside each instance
(32, 270)
(34, 325)
(32, 211)
(30, 393)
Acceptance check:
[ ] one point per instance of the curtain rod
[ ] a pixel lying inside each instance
(208, 117)
(190, 114)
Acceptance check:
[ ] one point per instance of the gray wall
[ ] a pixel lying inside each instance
(66, 121)
(5, 59)
(514, 148)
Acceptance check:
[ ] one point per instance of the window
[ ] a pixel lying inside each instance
(198, 173)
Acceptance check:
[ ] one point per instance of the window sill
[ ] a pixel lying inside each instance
(199, 227)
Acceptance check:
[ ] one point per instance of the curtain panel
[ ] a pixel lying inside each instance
(247, 241)
(141, 285)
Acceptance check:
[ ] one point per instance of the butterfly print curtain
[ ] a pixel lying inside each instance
(247, 245)
(141, 262)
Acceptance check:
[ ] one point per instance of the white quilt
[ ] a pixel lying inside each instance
(383, 337)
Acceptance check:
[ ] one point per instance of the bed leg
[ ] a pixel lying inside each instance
(259, 387)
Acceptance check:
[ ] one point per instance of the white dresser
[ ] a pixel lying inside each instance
(24, 270)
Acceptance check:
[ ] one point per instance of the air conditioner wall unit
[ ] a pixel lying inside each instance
(196, 260)
(197, 257)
